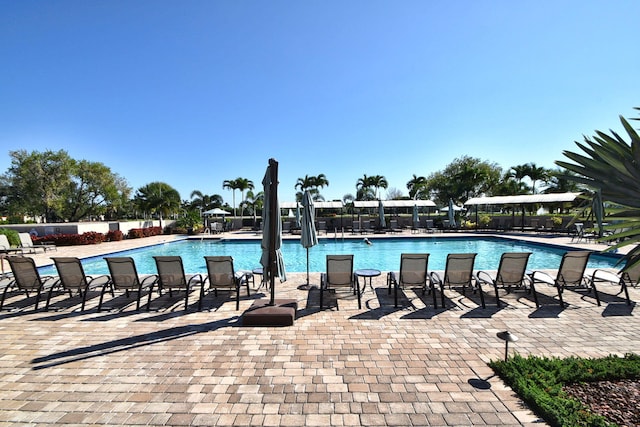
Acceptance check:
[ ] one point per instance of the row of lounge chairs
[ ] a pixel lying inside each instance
(26, 245)
(123, 277)
(512, 274)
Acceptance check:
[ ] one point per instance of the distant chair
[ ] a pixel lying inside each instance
(570, 275)
(394, 227)
(366, 226)
(286, 227)
(322, 227)
(125, 278)
(458, 273)
(5, 246)
(171, 277)
(356, 227)
(221, 275)
(27, 279)
(27, 244)
(413, 272)
(73, 279)
(624, 278)
(339, 274)
(511, 273)
(428, 226)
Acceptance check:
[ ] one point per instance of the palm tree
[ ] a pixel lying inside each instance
(536, 173)
(378, 182)
(416, 186)
(255, 201)
(363, 187)
(198, 198)
(311, 183)
(243, 184)
(519, 172)
(610, 164)
(158, 197)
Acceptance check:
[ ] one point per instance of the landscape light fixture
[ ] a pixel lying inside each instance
(507, 337)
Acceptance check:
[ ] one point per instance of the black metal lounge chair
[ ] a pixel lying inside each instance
(222, 275)
(413, 272)
(125, 278)
(458, 273)
(339, 274)
(171, 277)
(511, 273)
(27, 279)
(73, 279)
(624, 278)
(570, 275)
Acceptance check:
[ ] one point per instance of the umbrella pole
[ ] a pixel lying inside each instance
(273, 228)
(307, 266)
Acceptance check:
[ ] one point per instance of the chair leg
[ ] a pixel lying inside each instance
(560, 295)
(321, 295)
(238, 288)
(395, 294)
(497, 295)
(595, 291)
(442, 294)
(535, 294)
(359, 303)
(149, 298)
(481, 296)
(433, 292)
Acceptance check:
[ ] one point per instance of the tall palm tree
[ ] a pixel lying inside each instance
(198, 198)
(611, 165)
(378, 182)
(363, 187)
(255, 201)
(231, 184)
(519, 172)
(416, 186)
(243, 184)
(536, 173)
(311, 183)
(159, 198)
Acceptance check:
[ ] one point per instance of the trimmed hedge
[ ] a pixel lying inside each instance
(136, 233)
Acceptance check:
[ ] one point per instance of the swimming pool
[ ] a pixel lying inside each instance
(383, 254)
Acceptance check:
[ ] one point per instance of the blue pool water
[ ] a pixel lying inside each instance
(383, 254)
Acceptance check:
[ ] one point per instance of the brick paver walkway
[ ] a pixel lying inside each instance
(375, 366)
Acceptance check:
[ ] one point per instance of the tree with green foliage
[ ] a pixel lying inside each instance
(312, 184)
(417, 187)
(158, 198)
(462, 179)
(241, 184)
(254, 201)
(57, 187)
(610, 165)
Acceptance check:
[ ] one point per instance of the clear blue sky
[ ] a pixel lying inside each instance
(192, 93)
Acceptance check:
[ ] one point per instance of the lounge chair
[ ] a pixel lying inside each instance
(27, 244)
(624, 278)
(124, 277)
(356, 227)
(458, 272)
(27, 279)
(321, 227)
(339, 274)
(582, 234)
(222, 275)
(171, 277)
(73, 279)
(413, 272)
(511, 273)
(394, 227)
(366, 226)
(570, 275)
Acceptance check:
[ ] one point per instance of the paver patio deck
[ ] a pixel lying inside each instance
(376, 366)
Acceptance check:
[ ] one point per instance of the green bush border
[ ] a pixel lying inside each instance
(539, 381)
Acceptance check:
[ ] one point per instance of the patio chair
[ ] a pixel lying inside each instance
(5, 246)
(458, 272)
(27, 279)
(570, 275)
(624, 278)
(339, 274)
(171, 277)
(27, 243)
(221, 275)
(73, 279)
(413, 272)
(125, 278)
(322, 227)
(394, 227)
(356, 227)
(511, 273)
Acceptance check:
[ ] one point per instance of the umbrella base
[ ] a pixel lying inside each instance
(283, 313)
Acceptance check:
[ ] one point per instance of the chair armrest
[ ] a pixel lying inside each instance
(391, 278)
(95, 281)
(435, 278)
(605, 276)
(194, 278)
(154, 280)
(484, 277)
(541, 276)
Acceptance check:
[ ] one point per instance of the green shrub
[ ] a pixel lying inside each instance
(539, 382)
(12, 236)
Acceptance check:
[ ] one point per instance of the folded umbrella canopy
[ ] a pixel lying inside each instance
(271, 259)
(309, 237)
(451, 214)
(416, 217)
(383, 222)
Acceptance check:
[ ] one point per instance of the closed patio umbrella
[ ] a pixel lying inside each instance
(271, 259)
(309, 236)
(451, 214)
(416, 216)
(297, 215)
(383, 222)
